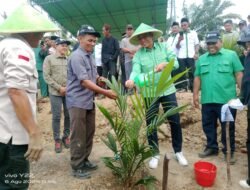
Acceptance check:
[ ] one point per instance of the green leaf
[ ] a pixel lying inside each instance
(166, 73)
(111, 143)
(147, 181)
(107, 115)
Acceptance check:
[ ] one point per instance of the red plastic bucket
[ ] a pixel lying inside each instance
(205, 173)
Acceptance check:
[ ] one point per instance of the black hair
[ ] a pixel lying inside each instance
(184, 20)
(175, 23)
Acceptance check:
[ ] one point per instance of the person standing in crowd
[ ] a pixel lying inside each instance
(20, 139)
(243, 31)
(98, 61)
(230, 36)
(122, 65)
(248, 19)
(52, 49)
(188, 52)
(155, 56)
(39, 66)
(81, 89)
(110, 53)
(55, 74)
(173, 37)
(44, 52)
(98, 58)
(129, 50)
(245, 93)
(216, 74)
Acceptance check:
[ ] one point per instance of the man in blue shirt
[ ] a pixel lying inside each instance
(81, 88)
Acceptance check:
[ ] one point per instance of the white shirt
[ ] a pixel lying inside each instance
(52, 50)
(98, 55)
(187, 49)
(17, 70)
(172, 41)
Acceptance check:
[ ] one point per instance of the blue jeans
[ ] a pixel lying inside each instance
(210, 114)
(56, 107)
(167, 102)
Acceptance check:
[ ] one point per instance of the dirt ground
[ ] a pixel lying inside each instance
(53, 171)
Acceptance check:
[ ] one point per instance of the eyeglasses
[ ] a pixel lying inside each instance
(211, 43)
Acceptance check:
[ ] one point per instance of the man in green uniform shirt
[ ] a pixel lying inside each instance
(39, 67)
(216, 75)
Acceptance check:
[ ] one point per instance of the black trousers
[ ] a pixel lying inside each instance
(14, 168)
(210, 114)
(99, 70)
(248, 143)
(187, 63)
(167, 102)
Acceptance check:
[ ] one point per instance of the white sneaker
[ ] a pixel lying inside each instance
(153, 163)
(244, 184)
(181, 159)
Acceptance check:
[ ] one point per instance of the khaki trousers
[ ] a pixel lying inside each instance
(82, 124)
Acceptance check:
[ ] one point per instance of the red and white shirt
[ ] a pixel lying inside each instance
(17, 70)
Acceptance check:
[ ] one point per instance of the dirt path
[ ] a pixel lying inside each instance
(53, 171)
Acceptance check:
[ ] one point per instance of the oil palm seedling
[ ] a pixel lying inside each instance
(128, 139)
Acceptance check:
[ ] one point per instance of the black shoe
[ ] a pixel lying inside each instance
(80, 173)
(208, 152)
(89, 166)
(232, 159)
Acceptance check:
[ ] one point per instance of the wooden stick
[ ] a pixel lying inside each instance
(228, 154)
(165, 173)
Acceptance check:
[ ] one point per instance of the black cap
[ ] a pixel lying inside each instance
(54, 37)
(243, 22)
(62, 41)
(87, 29)
(229, 21)
(212, 36)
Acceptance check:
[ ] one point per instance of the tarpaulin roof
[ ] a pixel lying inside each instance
(71, 14)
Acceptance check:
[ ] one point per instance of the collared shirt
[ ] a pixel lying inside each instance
(217, 75)
(98, 54)
(145, 60)
(81, 66)
(230, 39)
(126, 44)
(55, 73)
(187, 45)
(110, 49)
(172, 41)
(17, 70)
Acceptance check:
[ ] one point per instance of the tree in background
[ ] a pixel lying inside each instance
(208, 15)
